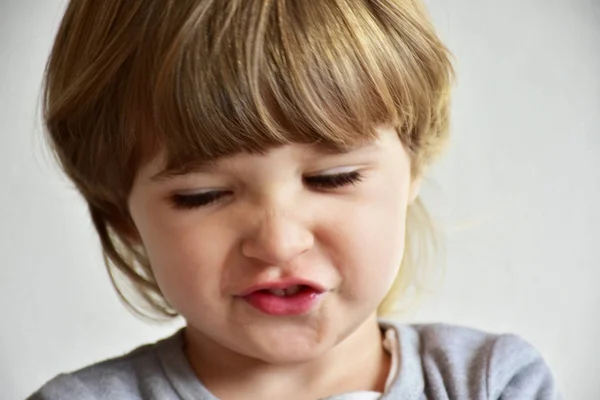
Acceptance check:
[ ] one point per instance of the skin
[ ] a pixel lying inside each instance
(272, 224)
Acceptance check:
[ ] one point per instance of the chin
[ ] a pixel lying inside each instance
(288, 355)
(290, 347)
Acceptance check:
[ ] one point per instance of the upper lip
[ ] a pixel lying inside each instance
(282, 284)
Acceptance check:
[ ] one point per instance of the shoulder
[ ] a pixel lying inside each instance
(120, 377)
(464, 361)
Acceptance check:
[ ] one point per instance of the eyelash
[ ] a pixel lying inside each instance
(320, 182)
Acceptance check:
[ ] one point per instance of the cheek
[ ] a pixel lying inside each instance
(369, 246)
(184, 257)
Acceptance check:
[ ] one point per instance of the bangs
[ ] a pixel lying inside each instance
(245, 76)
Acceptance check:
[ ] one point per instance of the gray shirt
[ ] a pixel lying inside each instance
(435, 362)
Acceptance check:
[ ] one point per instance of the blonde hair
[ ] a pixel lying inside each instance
(201, 79)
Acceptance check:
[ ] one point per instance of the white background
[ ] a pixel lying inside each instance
(518, 191)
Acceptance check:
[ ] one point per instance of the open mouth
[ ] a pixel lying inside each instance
(290, 291)
(290, 300)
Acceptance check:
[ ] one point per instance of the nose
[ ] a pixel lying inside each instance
(278, 238)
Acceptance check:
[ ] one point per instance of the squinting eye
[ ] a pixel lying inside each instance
(189, 201)
(334, 181)
(323, 182)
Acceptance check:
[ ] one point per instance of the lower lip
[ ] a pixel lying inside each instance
(297, 304)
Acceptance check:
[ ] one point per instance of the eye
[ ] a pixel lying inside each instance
(334, 181)
(190, 201)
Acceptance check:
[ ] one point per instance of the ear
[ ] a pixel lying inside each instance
(415, 188)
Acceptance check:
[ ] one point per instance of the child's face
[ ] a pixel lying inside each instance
(270, 219)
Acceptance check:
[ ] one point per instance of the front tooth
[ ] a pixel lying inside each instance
(277, 292)
(292, 290)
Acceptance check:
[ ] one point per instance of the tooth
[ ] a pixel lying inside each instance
(277, 292)
(292, 290)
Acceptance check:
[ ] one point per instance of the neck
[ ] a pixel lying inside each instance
(358, 362)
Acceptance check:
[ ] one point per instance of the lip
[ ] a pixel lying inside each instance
(258, 297)
(282, 284)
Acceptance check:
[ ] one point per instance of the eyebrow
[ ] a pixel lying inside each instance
(329, 149)
(197, 167)
(208, 166)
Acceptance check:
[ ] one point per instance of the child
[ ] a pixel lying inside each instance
(254, 166)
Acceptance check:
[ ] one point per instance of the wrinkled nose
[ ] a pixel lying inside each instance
(277, 239)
